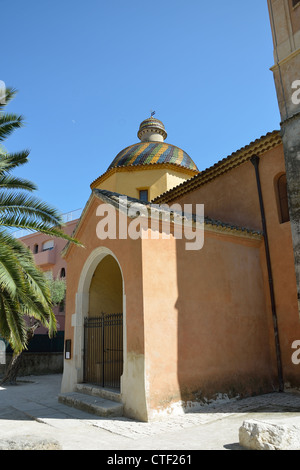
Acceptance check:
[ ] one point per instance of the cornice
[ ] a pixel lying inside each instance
(150, 166)
(258, 147)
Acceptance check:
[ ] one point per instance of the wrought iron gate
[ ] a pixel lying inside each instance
(103, 350)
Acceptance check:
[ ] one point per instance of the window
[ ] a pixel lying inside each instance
(36, 249)
(143, 195)
(284, 215)
(62, 272)
(48, 245)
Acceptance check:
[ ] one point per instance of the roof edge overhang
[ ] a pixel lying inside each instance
(149, 166)
(124, 203)
(257, 147)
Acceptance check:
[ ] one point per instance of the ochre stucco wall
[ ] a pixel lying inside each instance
(233, 198)
(282, 259)
(156, 180)
(206, 328)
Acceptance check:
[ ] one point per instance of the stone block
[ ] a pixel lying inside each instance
(260, 435)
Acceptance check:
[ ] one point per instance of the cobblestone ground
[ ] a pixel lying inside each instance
(30, 415)
(273, 403)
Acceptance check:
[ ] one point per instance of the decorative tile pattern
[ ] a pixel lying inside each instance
(145, 153)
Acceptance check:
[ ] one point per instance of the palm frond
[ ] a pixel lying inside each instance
(16, 203)
(10, 161)
(24, 291)
(15, 331)
(11, 277)
(9, 94)
(12, 182)
(25, 259)
(8, 123)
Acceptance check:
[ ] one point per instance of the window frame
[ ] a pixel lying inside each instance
(282, 198)
(143, 190)
(50, 247)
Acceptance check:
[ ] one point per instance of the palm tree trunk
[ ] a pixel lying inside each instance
(10, 376)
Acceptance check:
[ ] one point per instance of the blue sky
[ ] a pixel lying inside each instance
(89, 72)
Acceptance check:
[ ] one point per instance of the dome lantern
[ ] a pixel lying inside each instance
(152, 130)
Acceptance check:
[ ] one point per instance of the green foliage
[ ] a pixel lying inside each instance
(57, 290)
(24, 290)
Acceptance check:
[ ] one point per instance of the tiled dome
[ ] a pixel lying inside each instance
(145, 153)
(152, 149)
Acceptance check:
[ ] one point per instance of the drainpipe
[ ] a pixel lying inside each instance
(255, 161)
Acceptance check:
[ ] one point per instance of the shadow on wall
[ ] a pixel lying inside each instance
(223, 333)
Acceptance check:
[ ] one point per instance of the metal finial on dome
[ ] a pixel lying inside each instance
(152, 130)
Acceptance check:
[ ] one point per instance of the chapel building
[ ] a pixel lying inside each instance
(163, 320)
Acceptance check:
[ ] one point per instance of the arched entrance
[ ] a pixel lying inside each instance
(103, 326)
(74, 370)
(132, 387)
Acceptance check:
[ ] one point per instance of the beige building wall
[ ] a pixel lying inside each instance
(285, 24)
(209, 336)
(233, 198)
(156, 180)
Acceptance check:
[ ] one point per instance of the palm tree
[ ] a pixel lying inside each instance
(24, 294)
(19, 209)
(24, 291)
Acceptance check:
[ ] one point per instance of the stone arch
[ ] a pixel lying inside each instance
(83, 305)
(105, 293)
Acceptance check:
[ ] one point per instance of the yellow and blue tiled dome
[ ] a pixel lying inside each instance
(146, 153)
(152, 149)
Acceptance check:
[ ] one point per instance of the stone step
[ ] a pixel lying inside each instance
(91, 404)
(97, 391)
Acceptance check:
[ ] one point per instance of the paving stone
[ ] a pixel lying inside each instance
(29, 443)
(213, 426)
